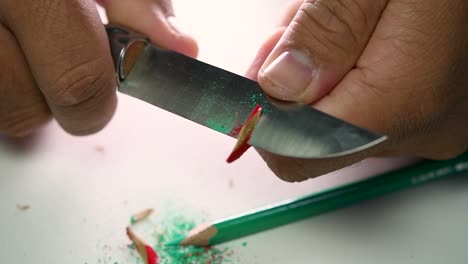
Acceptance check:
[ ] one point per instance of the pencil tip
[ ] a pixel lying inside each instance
(238, 152)
(245, 133)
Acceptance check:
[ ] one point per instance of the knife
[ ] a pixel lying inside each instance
(222, 101)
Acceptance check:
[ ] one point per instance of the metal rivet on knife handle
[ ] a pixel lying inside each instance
(125, 49)
(130, 57)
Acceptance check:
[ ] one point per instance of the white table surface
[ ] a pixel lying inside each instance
(82, 190)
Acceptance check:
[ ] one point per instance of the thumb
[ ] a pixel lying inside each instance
(320, 46)
(153, 18)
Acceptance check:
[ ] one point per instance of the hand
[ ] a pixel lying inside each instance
(55, 60)
(396, 67)
(154, 19)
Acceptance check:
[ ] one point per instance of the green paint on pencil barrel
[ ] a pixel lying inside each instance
(292, 210)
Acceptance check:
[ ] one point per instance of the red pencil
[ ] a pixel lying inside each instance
(146, 252)
(245, 133)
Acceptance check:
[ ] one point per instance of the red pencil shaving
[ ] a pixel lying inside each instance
(245, 133)
(141, 215)
(146, 252)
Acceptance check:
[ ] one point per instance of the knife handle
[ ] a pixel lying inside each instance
(125, 48)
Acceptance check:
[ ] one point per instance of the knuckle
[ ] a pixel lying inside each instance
(21, 123)
(334, 24)
(446, 153)
(81, 84)
(85, 125)
(290, 170)
(298, 170)
(283, 174)
(279, 165)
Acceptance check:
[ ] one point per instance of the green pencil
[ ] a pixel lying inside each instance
(297, 209)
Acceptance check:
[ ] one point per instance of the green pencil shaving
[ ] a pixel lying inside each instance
(297, 209)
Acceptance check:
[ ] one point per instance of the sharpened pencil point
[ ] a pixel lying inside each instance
(146, 252)
(141, 216)
(243, 138)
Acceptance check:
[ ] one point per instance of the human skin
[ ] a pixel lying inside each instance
(396, 67)
(55, 60)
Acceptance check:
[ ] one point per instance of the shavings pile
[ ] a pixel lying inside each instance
(169, 226)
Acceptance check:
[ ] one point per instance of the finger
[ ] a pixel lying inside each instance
(297, 170)
(398, 87)
(22, 108)
(292, 169)
(320, 46)
(289, 169)
(153, 18)
(67, 49)
(291, 9)
(265, 49)
(445, 139)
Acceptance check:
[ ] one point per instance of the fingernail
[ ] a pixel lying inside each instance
(289, 75)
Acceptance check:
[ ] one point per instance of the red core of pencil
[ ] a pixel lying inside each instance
(151, 254)
(242, 144)
(238, 152)
(146, 252)
(257, 109)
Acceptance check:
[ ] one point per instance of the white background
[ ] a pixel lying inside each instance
(83, 190)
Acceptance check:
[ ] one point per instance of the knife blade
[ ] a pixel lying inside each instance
(222, 101)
